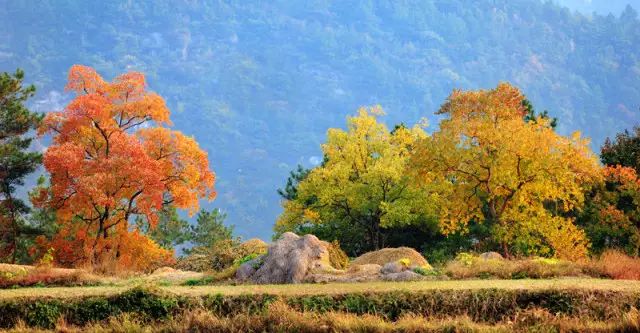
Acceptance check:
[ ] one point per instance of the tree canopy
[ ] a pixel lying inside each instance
(490, 165)
(16, 161)
(112, 159)
(361, 188)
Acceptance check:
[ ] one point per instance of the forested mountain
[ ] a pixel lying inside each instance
(603, 7)
(259, 82)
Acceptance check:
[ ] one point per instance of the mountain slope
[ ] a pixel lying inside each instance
(259, 82)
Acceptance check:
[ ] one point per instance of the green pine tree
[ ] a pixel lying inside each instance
(16, 161)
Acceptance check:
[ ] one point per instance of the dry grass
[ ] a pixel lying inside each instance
(337, 288)
(616, 265)
(384, 256)
(25, 276)
(474, 267)
(281, 318)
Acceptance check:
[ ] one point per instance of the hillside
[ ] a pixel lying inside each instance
(602, 7)
(258, 83)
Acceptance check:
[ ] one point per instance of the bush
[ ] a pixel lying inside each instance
(467, 266)
(426, 271)
(253, 246)
(44, 276)
(337, 258)
(616, 265)
(223, 255)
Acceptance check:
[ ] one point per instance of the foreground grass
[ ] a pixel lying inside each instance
(559, 305)
(336, 288)
(279, 317)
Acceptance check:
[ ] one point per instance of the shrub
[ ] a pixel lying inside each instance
(244, 259)
(468, 266)
(405, 262)
(198, 260)
(253, 246)
(223, 255)
(43, 276)
(465, 258)
(198, 282)
(337, 257)
(426, 270)
(616, 265)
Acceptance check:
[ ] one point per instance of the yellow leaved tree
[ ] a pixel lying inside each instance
(361, 187)
(490, 165)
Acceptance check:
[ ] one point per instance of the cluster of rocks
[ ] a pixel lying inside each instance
(296, 259)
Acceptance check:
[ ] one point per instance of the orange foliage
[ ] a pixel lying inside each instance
(627, 182)
(617, 265)
(112, 159)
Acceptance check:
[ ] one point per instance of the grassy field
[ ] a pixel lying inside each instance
(337, 288)
(546, 305)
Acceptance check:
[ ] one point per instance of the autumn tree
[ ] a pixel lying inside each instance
(114, 158)
(611, 216)
(16, 161)
(361, 188)
(624, 150)
(490, 165)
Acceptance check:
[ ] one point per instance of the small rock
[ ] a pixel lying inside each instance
(247, 269)
(393, 267)
(402, 276)
(491, 256)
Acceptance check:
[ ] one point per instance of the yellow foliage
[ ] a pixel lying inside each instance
(362, 181)
(487, 163)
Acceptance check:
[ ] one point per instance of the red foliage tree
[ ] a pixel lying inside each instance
(112, 158)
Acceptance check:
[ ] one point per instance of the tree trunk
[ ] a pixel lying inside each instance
(14, 227)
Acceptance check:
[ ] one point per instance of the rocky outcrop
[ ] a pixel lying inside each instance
(295, 259)
(288, 260)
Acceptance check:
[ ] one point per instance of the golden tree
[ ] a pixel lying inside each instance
(362, 184)
(489, 164)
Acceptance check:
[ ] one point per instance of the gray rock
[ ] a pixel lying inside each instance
(291, 258)
(393, 267)
(402, 276)
(247, 269)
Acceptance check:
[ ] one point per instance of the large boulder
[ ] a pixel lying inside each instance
(289, 260)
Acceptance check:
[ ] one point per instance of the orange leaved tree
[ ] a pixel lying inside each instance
(113, 158)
